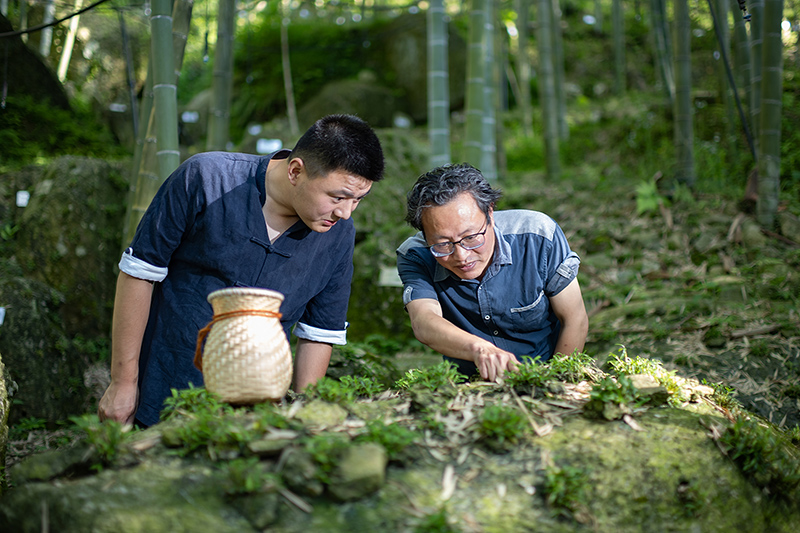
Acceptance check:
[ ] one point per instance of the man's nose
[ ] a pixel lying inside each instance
(344, 210)
(459, 252)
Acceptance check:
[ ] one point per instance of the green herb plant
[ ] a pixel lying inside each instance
(622, 364)
(249, 475)
(106, 437)
(326, 449)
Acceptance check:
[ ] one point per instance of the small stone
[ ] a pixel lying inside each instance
(361, 472)
(321, 414)
(266, 447)
(648, 387)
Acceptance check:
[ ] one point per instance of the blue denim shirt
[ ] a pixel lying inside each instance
(204, 231)
(510, 306)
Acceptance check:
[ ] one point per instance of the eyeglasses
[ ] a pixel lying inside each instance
(470, 242)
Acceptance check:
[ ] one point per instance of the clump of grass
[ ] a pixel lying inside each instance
(764, 457)
(501, 426)
(565, 490)
(443, 375)
(530, 373)
(574, 367)
(435, 522)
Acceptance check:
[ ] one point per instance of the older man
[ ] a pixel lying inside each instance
(485, 287)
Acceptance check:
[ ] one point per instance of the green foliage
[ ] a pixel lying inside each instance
(622, 364)
(217, 435)
(691, 497)
(21, 429)
(193, 400)
(433, 378)
(724, 395)
(565, 490)
(393, 437)
(608, 390)
(106, 437)
(530, 372)
(269, 417)
(573, 368)
(502, 426)
(435, 522)
(763, 456)
(648, 199)
(31, 129)
(326, 449)
(249, 475)
(346, 390)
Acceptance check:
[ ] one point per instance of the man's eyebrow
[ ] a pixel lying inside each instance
(348, 194)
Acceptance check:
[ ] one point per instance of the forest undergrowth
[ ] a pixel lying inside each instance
(687, 278)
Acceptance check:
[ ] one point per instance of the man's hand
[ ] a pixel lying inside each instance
(494, 363)
(119, 403)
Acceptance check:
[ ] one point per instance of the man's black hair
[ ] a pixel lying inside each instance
(442, 184)
(340, 142)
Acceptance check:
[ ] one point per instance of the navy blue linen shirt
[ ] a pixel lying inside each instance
(205, 230)
(510, 306)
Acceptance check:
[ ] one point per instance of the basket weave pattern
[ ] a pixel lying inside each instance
(247, 358)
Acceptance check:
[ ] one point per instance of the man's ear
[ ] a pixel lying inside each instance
(295, 167)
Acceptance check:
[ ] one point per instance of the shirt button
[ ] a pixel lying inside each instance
(496, 332)
(487, 317)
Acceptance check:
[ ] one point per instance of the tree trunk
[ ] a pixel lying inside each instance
(741, 52)
(488, 163)
(684, 135)
(547, 96)
(164, 88)
(473, 143)
(598, 16)
(46, 37)
(288, 87)
(558, 73)
(524, 66)
(769, 163)
(661, 44)
(219, 113)
(66, 53)
(724, 40)
(438, 86)
(147, 179)
(756, 8)
(618, 30)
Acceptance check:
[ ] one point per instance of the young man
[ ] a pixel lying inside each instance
(485, 287)
(280, 222)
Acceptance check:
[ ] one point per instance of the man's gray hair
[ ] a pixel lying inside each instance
(442, 184)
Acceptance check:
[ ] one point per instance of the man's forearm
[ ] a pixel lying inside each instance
(572, 337)
(311, 362)
(131, 311)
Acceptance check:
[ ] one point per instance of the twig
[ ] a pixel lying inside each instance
(755, 331)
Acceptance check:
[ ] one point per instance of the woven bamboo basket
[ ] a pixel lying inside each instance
(246, 358)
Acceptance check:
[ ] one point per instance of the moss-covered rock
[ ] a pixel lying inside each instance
(685, 468)
(69, 238)
(45, 373)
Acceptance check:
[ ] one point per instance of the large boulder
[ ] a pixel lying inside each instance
(363, 97)
(69, 237)
(495, 457)
(45, 373)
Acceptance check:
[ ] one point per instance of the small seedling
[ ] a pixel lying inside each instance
(624, 365)
(611, 398)
(530, 373)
